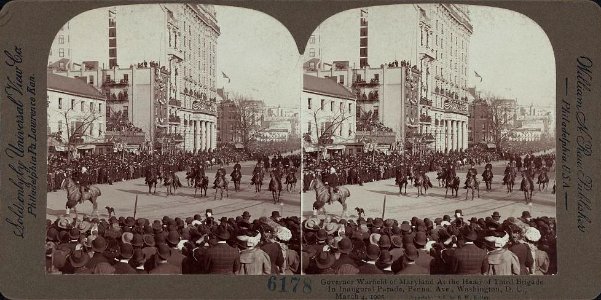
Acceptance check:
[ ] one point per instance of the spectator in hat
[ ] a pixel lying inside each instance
(253, 260)
(325, 261)
(526, 217)
(371, 256)
(163, 266)
(137, 261)
(518, 246)
(221, 258)
(176, 258)
(410, 266)
(425, 259)
(384, 262)
(275, 216)
(345, 247)
(274, 251)
(99, 245)
(469, 259)
(501, 261)
(123, 266)
(496, 217)
(78, 263)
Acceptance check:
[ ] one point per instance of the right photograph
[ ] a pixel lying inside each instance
(429, 143)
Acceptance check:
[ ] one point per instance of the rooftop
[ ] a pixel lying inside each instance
(73, 86)
(326, 86)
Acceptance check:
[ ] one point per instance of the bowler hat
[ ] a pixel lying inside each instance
(173, 237)
(138, 258)
(275, 214)
(397, 241)
(526, 214)
(79, 258)
(372, 252)
(222, 233)
(127, 237)
(127, 251)
(384, 242)
(325, 260)
(345, 245)
(52, 234)
(99, 244)
(470, 234)
(411, 252)
(420, 238)
(405, 228)
(163, 251)
(385, 258)
(137, 240)
(496, 214)
(246, 214)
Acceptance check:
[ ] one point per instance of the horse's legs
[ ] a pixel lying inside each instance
(94, 207)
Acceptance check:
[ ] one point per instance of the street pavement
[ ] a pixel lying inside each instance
(122, 196)
(371, 195)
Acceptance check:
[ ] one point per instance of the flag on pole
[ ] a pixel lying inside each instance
(478, 76)
(225, 76)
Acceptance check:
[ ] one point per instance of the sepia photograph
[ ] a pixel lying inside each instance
(429, 143)
(174, 144)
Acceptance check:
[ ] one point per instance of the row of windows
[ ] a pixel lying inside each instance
(61, 39)
(61, 52)
(327, 126)
(83, 128)
(83, 106)
(332, 105)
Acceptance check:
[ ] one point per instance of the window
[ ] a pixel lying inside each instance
(363, 52)
(100, 108)
(323, 103)
(312, 39)
(112, 32)
(60, 125)
(309, 103)
(81, 104)
(61, 52)
(92, 129)
(377, 77)
(350, 108)
(60, 103)
(91, 79)
(126, 77)
(72, 103)
(341, 79)
(112, 42)
(358, 77)
(309, 127)
(331, 105)
(363, 42)
(125, 111)
(92, 106)
(311, 52)
(112, 52)
(108, 78)
(61, 39)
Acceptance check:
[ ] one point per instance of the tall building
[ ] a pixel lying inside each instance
(363, 38)
(61, 46)
(179, 43)
(328, 113)
(480, 125)
(312, 55)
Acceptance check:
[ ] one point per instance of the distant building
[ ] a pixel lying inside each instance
(61, 46)
(328, 111)
(481, 130)
(76, 110)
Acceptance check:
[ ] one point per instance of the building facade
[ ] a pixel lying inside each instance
(328, 113)
(76, 114)
(61, 46)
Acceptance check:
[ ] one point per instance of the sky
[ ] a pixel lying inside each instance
(254, 50)
(510, 51)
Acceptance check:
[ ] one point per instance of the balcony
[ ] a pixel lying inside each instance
(372, 82)
(175, 53)
(121, 96)
(166, 137)
(120, 83)
(427, 53)
(371, 96)
(174, 119)
(173, 102)
(425, 119)
(425, 101)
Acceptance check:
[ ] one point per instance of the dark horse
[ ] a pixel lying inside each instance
(275, 186)
(451, 183)
(543, 179)
(257, 180)
(509, 180)
(487, 178)
(152, 178)
(441, 176)
(291, 181)
(527, 186)
(472, 184)
(202, 183)
(171, 181)
(236, 176)
(76, 196)
(422, 182)
(322, 196)
(401, 180)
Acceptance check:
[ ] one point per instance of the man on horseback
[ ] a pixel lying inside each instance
(471, 172)
(508, 170)
(220, 174)
(332, 183)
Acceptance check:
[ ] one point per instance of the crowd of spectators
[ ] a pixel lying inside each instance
(193, 245)
(476, 246)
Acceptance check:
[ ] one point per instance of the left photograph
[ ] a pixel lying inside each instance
(173, 143)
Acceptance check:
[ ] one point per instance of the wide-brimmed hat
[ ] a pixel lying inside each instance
(330, 228)
(79, 258)
(496, 214)
(374, 238)
(283, 234)
(163, 251)
(312, 223)
(148, 240)
(246, 214)
(372, 251)
(99, 244)
(84, 226)
(325, 260)
(411, 252)
(127, 237)
(64, 222)
(420, 238)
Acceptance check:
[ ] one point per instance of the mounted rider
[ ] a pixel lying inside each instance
(84, 180)
(331, 182)
(471, 172)
(219, 174)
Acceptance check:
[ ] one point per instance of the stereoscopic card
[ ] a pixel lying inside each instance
(332, 149)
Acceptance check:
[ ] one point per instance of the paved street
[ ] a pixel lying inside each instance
(122, 196)
(370, 197)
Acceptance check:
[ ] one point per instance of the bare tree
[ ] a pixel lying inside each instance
(502, 122)
(79, 128)
(326, 128)
(248, 120)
